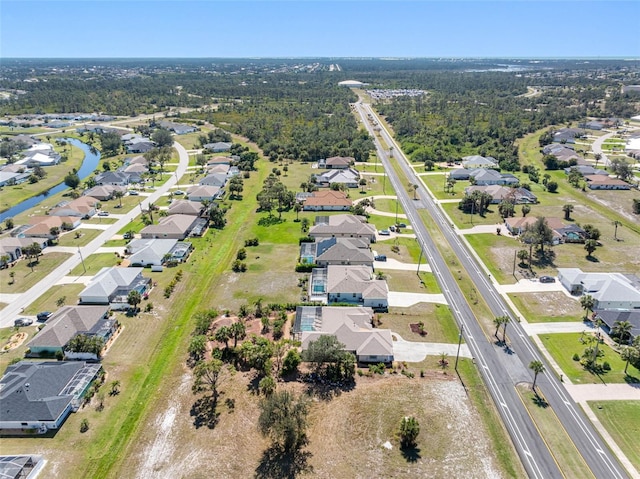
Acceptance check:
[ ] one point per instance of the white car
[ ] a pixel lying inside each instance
(178, 192)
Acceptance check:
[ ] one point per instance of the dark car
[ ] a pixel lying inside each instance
(380, 257)
(44, 315)
(547, 279)
(22, 322)
(401, 225)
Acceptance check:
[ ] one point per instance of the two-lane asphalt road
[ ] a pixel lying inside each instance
(501, 369)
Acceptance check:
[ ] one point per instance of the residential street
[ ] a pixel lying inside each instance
(15, 307)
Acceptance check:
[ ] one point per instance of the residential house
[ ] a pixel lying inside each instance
(118, 178)
(215, 179)
(327, 200)
(459, 174)
(40, 226)
(605, 182)
(609, 290)
(156, 252)
(356, 284)
(12, 247)
(477, 161)
(562, 152)
(141, 146)
(485, 176)
(219, 168)
(347, 177)
(501, 193)
(185, 207)
(203, 193)
(345, 251)
(40, 154)
(104, 192)
(178, 128)
(170, 227)
(10, 178)
(343, 226)
(137, 160)
(611, 316)
(136, 168)
(218, 147)
(112, 286)
(562, 233)
(37, 397)
(592, 125)
(567, 135)
(219, 160)
(352, 326)
(336, 162)
(67, 323)
(585, 170)
(83, 207)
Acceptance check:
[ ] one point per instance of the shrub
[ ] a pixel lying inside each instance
(576, 357)
(252, 242)
(305, 239)
(238, 266)
(242, 254)
(84, 425)
(305, 267)
(148, 308)
(606, 366)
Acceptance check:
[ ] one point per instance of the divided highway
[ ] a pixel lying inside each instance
(501, 368)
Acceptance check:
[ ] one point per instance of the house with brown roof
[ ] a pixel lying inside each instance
(41, 225)
(104, 192)
(185, 207)
(327, 200)
(602, 182)
(84, 207)
(170, 227)
(343, 226)
(352, 326)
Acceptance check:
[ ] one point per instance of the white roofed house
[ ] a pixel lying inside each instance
(112, 286)
(347, 177)
(477, 161)
(609, 290)
(155, 252)
(357, 285)
(352, 326)
(218, 147)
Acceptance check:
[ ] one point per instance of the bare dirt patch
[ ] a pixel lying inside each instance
(14, 341)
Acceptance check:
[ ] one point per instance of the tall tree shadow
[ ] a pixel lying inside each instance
(411, 454)
(204, 412)
(540, 402)
(276, 463)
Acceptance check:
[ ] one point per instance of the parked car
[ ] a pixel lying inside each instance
(178, 192)
(380, 257)
(127, 235)
(401, 225)
(22, 322)
(133, 193)
(384, 232)
(103, 213)
(547, 279)
(44, 315)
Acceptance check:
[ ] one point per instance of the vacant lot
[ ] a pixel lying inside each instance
(563, 346)
(438, 323)
(547, 307)
(78, 237)
(49, 300)
(94, 263)
(622, 420)
(359, 423)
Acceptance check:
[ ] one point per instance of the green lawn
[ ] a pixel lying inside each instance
(408, 281)
(487, 245)
(562, 347)
(86, 235)
(94, 263)
(547, 307)
(25, 278)
(409, 250)
(389, 206)
(48, 300)
(622, 420)
(438, 320)
(435, 183)
(567, 457)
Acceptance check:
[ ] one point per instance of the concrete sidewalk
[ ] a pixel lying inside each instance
(394, 264)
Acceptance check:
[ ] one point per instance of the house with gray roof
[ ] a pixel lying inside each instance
(37, 397)
(352, 326)
(343, 226)
(477, 161)
(104, 192)
(214, 179)
(67, 323)
(336, 162)
(155, 252)
(485, 176)
(325, 251)
(347, 177)
(218, 147)
(112, 286)
(567, 135)
(585, 170)
(171, 227)
(118, 178)
(203, 193)
(562, 152)
(357, 285)
(459, 174)
(609, 290)
(612, 316)
(185, 207)
(500, 193)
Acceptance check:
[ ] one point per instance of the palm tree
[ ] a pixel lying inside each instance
(587, 302)
(590, 246)
(598, 324)
(497, 322)
(537, 367)
(628, 354)
(616, 223)
(505, 321)
(525, 210)
(622, 330)
(567, 211)
(522, 255)
(598, 157)
(119, 194)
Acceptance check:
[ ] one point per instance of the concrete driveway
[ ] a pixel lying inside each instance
(414, 352)
(405, 300)
(399, 265)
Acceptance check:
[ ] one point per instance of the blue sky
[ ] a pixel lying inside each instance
(302, 28)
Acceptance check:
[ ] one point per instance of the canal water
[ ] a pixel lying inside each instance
(89, 164)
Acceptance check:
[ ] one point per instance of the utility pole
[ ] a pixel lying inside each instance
(82, 260)
(419, 259)
(514, 263)
(396, 211)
